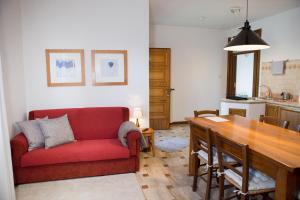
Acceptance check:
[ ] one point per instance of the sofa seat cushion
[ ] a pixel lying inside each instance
(84, 150)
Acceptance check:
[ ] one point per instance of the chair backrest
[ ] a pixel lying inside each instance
(206, 112)
(204, 142)
(274, 121)
(238, 111)
(238, 152)
(298, 128)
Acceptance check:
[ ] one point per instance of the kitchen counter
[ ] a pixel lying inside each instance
(287, 104)
(249, 101)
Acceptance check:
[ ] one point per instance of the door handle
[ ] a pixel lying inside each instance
(168, 91)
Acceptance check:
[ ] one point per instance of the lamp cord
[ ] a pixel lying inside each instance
(247, 11)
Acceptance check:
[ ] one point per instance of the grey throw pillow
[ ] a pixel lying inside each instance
(56, 131)
(33, 133)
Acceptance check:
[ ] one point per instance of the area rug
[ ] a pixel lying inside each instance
(172, 140)
(123, 186)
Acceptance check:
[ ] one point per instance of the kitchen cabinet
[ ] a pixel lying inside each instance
(272, 110)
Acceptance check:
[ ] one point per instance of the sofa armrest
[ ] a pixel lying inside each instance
(133, 140)
(19, 146)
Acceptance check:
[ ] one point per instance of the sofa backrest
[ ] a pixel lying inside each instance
(89, 123)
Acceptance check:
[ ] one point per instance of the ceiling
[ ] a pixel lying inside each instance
(214, 13)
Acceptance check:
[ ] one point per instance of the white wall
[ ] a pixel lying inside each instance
(91, 24)
(282, 32)
(12, 61)
(198, 67)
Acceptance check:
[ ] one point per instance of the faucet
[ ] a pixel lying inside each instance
(269, 91)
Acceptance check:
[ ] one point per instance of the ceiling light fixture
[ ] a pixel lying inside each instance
(246, 40)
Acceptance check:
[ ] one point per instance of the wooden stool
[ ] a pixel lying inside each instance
(149, 133)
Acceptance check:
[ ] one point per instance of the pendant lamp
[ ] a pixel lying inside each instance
(246, 40)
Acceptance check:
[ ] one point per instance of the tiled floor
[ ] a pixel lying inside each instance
(165, 176)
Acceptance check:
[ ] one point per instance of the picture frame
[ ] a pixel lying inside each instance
(109, 67)
(65, 67)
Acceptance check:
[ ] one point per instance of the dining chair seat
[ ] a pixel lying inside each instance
(202, 155)
(258, 181)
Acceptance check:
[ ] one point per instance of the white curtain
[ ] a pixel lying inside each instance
(7, 190)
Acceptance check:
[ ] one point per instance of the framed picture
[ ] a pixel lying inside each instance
(109, 67)
(65, 67)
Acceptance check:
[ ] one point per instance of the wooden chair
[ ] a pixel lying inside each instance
(246, 180)
(204, 148)
(205, 152)
(298, 128)
(206, 112)
(274, 121)
(237, 111)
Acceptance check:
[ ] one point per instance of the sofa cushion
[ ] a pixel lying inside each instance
(85, 150)
(33, 133)
(89, 123)
(56, 131)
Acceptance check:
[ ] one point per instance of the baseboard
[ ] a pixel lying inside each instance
(179, 122)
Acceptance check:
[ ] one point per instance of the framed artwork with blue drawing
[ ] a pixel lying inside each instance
(109, 67)
(65, 67)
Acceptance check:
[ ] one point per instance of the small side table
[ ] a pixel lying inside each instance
(149, 133)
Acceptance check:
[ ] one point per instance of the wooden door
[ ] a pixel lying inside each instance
(160, 91)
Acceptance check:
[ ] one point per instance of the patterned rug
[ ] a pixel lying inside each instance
(172, 140)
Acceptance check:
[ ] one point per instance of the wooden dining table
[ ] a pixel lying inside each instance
(273, 150)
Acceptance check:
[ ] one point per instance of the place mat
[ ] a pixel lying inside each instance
(217, 119)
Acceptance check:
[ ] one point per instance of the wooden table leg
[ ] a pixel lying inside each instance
(152, 145)
(287, 185)
(192, 158)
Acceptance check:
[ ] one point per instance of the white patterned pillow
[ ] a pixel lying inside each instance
(56, 131)
(33, 133)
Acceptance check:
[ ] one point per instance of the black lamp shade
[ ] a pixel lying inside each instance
(246, 40)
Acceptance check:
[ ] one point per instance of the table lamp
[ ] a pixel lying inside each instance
(137, 113)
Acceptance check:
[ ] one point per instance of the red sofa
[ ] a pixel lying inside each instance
(97, 150)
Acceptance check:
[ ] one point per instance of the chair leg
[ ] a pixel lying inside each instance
(208, 184)
(196, 168)
(221, 187)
